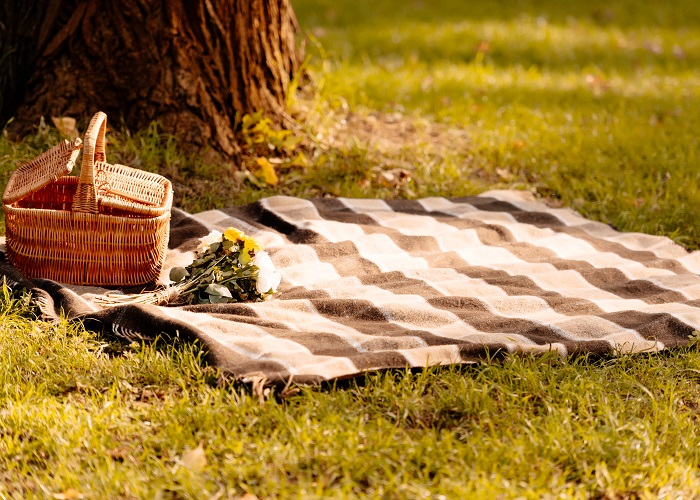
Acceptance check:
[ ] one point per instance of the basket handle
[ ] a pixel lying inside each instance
(85, 199)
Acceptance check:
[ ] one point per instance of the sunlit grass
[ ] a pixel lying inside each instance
(84, 416)
(589, 104)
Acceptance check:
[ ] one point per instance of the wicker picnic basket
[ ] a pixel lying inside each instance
(108, 227)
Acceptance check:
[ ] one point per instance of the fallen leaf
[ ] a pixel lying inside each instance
(267, 171)
(504, 174)
(69, 494)
(654, 48)
(66, 126)
(393, 178)
(678, 52)
(194, 460)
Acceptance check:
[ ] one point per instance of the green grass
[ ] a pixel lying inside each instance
(115, 421)
(590, 105)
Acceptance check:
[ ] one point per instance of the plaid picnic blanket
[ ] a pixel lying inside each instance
(371, 284)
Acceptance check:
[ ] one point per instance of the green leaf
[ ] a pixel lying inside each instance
(178, 274)
(203, 260)
(218, 290)
(216, 299)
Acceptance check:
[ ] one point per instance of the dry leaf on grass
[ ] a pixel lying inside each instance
(69, 494)
(392, 178)
(504, 174)
(66, 126)
(195, 459)
(267, 170)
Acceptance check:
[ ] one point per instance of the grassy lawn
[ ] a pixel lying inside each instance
(590, 104)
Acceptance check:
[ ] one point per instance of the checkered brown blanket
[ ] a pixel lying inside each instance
(371, 284)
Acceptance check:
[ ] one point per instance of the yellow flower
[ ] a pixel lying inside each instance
(234, 235)
(250, 247)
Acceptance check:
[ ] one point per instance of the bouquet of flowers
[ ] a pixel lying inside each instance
(228, 267)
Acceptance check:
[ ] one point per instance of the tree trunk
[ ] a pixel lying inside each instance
(192, 65)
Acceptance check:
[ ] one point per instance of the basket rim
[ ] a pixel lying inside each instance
(51, 167)
(87, 216)
(139, 212)
(42, 170)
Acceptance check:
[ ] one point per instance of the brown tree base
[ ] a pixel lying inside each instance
(193, 66)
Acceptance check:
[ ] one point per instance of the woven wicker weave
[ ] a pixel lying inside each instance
(109, 227)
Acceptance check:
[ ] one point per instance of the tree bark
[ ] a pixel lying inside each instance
(191, 65)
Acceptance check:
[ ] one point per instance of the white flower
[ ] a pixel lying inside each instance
(263, 261)
(206, 241)
(268, 277)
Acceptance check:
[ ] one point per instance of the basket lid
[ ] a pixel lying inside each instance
(42, 170)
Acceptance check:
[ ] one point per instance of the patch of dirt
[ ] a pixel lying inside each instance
(391, 134)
